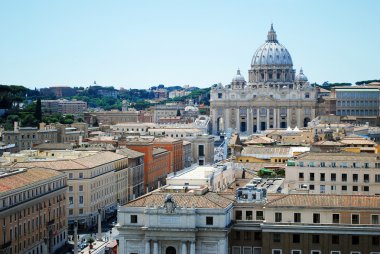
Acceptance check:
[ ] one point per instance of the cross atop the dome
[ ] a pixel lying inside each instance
(272, 36)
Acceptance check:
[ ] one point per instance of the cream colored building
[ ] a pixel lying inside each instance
(273, 97)
(334, 173)
(33, 211)
(94, 182)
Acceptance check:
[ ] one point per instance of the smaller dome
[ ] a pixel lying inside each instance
(238, 77)
(301, 77)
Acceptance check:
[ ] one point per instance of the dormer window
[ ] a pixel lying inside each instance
(220, 95)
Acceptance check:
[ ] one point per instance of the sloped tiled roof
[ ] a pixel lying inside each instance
(129, 152)
(208, 200)
(28, 177)
(326, 201)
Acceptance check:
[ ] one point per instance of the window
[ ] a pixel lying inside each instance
(296, 238)
(355, 177)
(300, 176)
(70, 188)
(209, 220)
(237, 235)
(366, 178)
(257, 236)
(311, 176)
(335, 239)
(344, 177)
(316, 218)
(276, 251)
(322, 188)
(365, 188)
(376, 240)
(315, 252)
(344, 187)
(375, 219)
(336, 218)
(70, 175)
(322, 177)
(80, 187)
(333, 177)
(71, 200)
(133, 218)
(80, 199)
(247, 235)
(238, 215)
(297, 217)
(311, 187)
(276, 237)
(355, 219)
(354, 188)
(315, 239)
(220, 95)
(80, 175)
(377, 178)
(296, 252)
(355, 240)
(201, 150)
(81, 211)
(70, 211)
(248, 215)
(335, 252)
(278, 217)
(259, 215)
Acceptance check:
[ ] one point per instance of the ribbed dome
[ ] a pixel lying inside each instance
(301, 77)
(238, 77)
(272, 52)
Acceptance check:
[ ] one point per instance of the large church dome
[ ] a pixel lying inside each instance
(271, 52)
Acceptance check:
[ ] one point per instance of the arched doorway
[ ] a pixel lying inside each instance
(170, 250)
(305, 121)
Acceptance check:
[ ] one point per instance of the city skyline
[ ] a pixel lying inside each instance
(138, 45)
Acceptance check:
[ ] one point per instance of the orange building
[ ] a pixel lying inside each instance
(156, 162)
(175, 147)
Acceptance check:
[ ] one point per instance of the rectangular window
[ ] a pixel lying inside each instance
(133, 218)
(201, 150)
(80, 187)
(237, 235)
(366, 188)
(238, 215)
(375, 240)
(81, 175)
(333, 177)
(322, 175)
(276, 251)
(276, 237)
(296, 252)
(335, 239)
(315, 252)
(257, 236)
(316, 218)
(344, 187)
(220, 95)
(297, 217)
(247, 235)
(315, 239)
(355, 219)
(355, 178)
(375, 219)
(71, 200)
(344, 177)
(311, 187)
(278, 217)
(366, 178)
(259, 215)
(248, 215)
(354, 188)
(70, 175)
(81, 211)
(322, 188)
(296, 238)
(80, 199)
(311, 176)
(335, 252)
(300, 176)
(377, 178)
(336, 218)
(209, 220)
(355, 240)
(70, 188)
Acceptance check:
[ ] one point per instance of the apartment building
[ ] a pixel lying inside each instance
(94, 182)
(334, 173)
(63, 106)
(32, 210)
(156, 161)
(175, 147)
(307, 224)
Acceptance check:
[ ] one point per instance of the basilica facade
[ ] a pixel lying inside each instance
(273, 97)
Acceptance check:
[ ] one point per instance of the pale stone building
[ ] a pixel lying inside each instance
(273, 97)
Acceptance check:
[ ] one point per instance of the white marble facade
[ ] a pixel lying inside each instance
(173, 229)
(273, 97)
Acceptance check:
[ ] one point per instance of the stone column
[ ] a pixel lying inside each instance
(155, 247)
(184, 248)
(299, 122)
(288, 117)
(75, 237)
(268, 125)
(147, 246)
(237, 120)
(192, 247)
(99, 236)
(249, 121)
(227, 121)
(121, 247)
(258, 119)
(275, 118)
(214, 121)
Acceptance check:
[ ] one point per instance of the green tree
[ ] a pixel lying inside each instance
(38, 111)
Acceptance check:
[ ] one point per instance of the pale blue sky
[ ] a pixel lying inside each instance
(137, 44)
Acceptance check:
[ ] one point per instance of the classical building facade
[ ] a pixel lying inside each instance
(273, 97)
